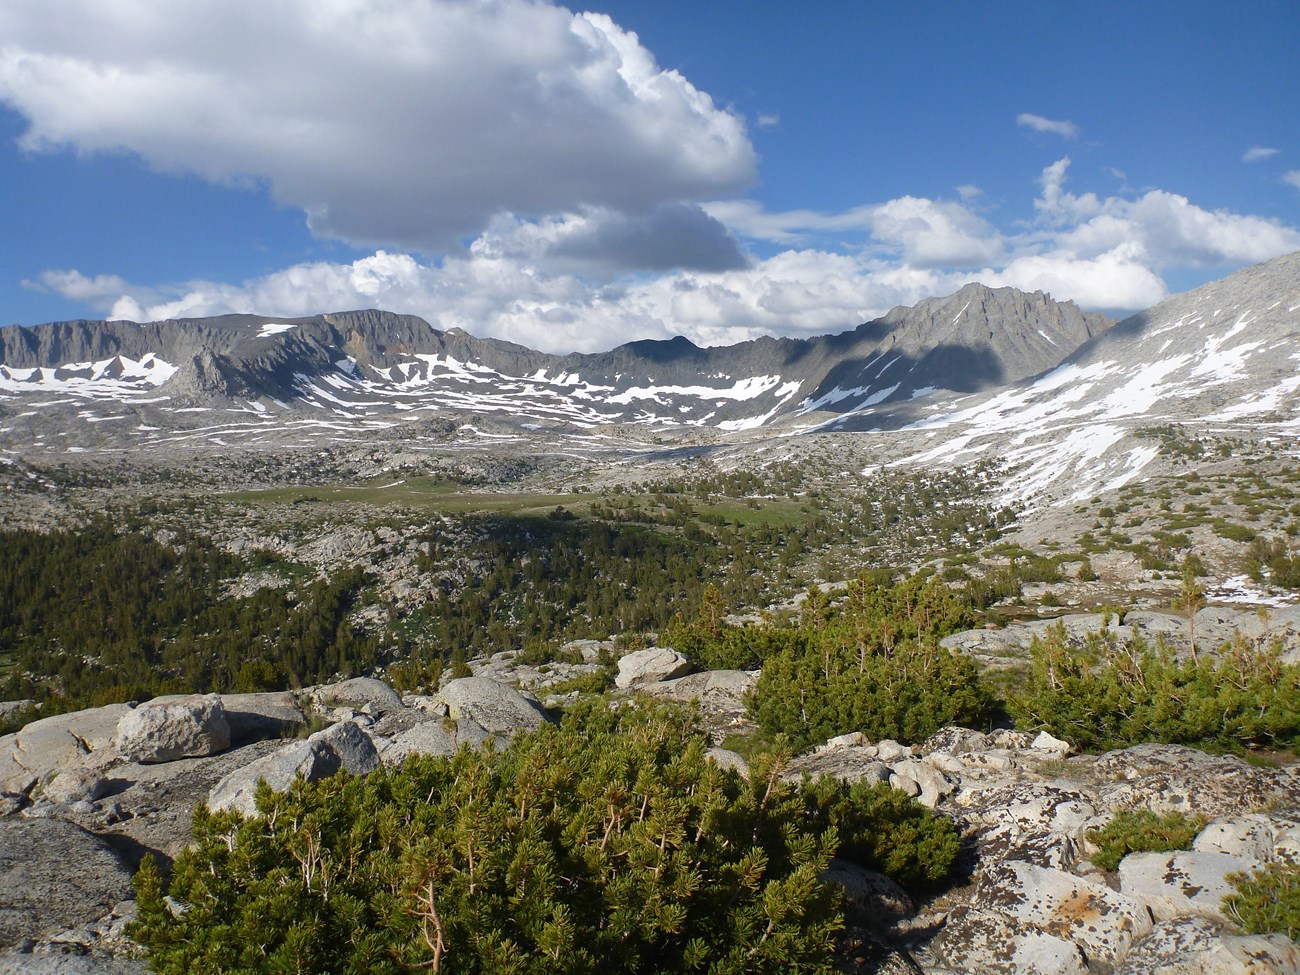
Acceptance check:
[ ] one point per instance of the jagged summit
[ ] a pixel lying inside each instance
(375, 366)
(1226, 350)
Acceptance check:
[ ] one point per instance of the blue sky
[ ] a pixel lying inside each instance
(570, 181)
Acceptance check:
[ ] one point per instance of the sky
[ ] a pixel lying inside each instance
(573, 179)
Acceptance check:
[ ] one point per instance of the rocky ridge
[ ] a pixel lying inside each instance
(374, 368)
(83, 788)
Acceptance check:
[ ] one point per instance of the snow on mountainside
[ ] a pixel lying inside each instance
(1063, 399)
(375, 369)
(1223, 359)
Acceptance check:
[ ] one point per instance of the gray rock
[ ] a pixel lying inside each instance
(426, 738)
(1033, 805)
(354, 748)
(931, 784)
(310, 760)
(47, 745)
(1046, 743)
(890, 751)
(1185, 884)
(76, 785)
(871, 899)
(721, 693)
(1173, 777)
(1174, 947)
(846, 764)
(1245, 836)
(1256, 954)
(1286, 842)
(498, 708)
(67, 963)
(1195, 946)
(955, 741)
(362, 693)
(54, 875)
(990, 943)
(1101, 922)
(650, 666)
(254, 717)
(171, 728)
(728, 759)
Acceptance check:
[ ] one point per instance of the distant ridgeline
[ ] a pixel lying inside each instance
(373, 365)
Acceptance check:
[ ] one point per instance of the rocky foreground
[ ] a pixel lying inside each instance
(84, 796)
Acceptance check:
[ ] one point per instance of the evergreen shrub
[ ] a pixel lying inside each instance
(1142, 831)
(1267, 900)
(1108, 693)
(607, 844)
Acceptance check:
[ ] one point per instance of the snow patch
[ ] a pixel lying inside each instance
(274, 328)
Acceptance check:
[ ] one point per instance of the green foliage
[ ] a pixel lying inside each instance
(884, 829)
(1267, 900)
(101, 615)
(17, 720)
(872, 664)
(1233, 531)
(1109, 694)
(1270, 559)
(419, 673)
(609, 844)
(1142, 831)
(712, 644)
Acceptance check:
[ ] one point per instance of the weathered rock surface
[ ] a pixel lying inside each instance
(55, 875)
(1173, 777)
(990, 943)
(650, 666)
(76, 785)
(354, 747)
(169, 728)
(312, 760)
(67, 963)
(427, 738)
(1196, 946)
(721, 693)
(497, 707)
(253, 717)
(363, 693)
(1184, 884)
(48, 745)
(1103, 923)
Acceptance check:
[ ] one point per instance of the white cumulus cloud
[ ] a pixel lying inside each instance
(925, 232)
(1256, 153)
(400, 123)
(530, 280)
(1067, 130)
(1160, 228)
(1292, 178)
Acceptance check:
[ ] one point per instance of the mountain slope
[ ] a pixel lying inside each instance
(373, 367)
(1223, 359)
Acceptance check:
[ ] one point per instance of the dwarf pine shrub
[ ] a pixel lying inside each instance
(1110, 693)
(1142, 831)
(1267, 900)
(610, 844)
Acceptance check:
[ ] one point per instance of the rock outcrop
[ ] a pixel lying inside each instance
(166, 729)
(92, 788)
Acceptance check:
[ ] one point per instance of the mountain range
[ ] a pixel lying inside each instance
(369, 364)
(1055, 392)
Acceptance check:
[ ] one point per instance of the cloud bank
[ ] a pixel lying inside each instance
(406, 123)
(521, 171)
(515, 282)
